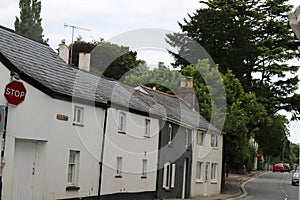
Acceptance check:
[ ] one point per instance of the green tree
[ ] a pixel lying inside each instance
(30, 23)
(162, 78)
(272, 137)
(110, 60)
(251, 38)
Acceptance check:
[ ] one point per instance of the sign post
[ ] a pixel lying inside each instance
(2, 118)
(15, 92)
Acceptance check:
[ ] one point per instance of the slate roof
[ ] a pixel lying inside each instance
(40, 66)
(176, 109)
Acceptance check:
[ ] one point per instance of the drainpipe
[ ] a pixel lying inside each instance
(102, 149)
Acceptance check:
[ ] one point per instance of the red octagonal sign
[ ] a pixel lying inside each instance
(15, 92)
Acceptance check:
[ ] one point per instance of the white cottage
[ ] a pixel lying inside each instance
(74, 131)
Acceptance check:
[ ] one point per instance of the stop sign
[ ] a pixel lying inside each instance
(15, 92)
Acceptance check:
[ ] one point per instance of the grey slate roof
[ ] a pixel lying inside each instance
(178, 110)
(40, 66)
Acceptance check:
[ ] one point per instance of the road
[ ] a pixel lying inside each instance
(273, 186)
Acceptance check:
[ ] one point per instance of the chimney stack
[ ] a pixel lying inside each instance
(189, 82)
(63, 51)
(84, 61)
(186, 92)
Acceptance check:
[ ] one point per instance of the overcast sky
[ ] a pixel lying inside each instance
(110, 18)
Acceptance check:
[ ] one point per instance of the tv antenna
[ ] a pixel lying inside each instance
(73, 28)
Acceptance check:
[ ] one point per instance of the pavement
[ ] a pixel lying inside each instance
(234, 186)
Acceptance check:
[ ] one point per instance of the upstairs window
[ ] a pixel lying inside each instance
(187, 138)
(78, 115)
(170, 130)
(214, 140)
(200, 138)
(147, 128)
(122, 122)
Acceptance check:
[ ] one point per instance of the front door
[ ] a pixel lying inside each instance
(206, 181)
(25, 170)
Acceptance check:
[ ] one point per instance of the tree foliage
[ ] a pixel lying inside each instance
(30, 23)
(251, 38)
(162, 78)
(110, 60)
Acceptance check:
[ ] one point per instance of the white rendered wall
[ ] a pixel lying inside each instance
(206, 153)
(35, 119)
(132, 147)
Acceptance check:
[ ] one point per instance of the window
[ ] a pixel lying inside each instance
(78, 115)
(73, 168)
(206, 171)
(122, 122)
(147, 128)
(200, 138)
(214, 172)
(199, 171)
(144, 168)
(170, 134)
(186, 138)
(214, 140)
(119, 167)
(169, 175)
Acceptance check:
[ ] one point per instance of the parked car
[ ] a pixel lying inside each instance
(287, 167)
(295, 177)
(278, 167)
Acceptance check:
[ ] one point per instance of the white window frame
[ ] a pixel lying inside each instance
(200, 138)
(147, 128)
(78, 114)
(214, 140)
(199, 174)
(169, 175)
(170, 130)
(73, 168)
(187, 138)
(122, 122)
(119, 167)
(214, 172)
(144, 168)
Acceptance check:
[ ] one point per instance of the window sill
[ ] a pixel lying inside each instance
(78, 124)
(215, 148)
(122, 132)
(146, 136)
(118, 176)
(143, 177)
(214, 182)
(72, 188)
(199, 181)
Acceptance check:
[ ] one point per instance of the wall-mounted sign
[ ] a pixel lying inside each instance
(15, 92)
(2, 118)
(62, 117)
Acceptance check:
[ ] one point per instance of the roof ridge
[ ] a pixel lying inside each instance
(160, 92)
(20, 34)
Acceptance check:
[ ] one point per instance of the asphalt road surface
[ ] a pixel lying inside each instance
(272, 186)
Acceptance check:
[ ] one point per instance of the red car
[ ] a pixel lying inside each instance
(278, 167)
